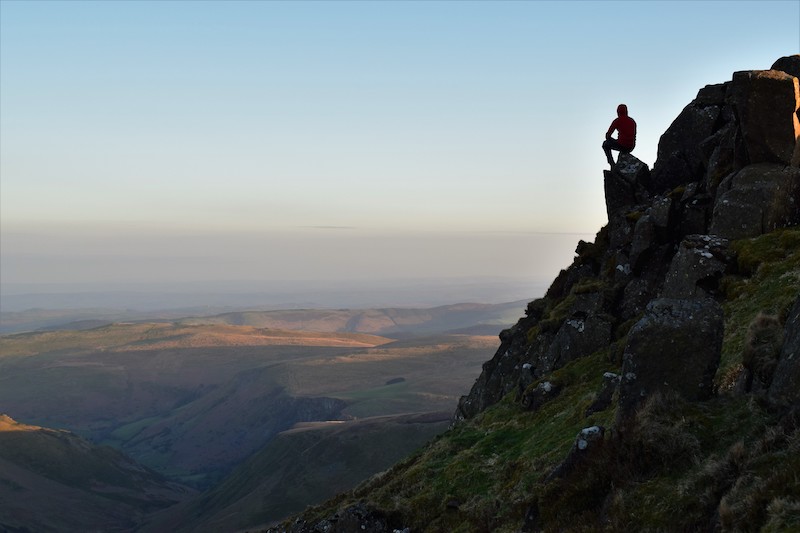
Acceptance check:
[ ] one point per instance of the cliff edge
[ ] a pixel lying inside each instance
(656, 386)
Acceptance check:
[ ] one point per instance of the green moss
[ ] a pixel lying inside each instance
(770, 248)
(634, 216)
(773, 282)
(677, 192)
(588, 286)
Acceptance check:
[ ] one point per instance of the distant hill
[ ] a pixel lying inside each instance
(386, 321)
(53, 480)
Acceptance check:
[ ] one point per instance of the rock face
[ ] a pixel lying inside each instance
(697, 268)
(728, 168)
(766, 103)
(675, 347)
(756, 200)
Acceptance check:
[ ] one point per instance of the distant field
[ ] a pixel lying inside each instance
(191, 400)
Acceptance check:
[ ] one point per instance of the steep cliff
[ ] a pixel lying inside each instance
(655, 386)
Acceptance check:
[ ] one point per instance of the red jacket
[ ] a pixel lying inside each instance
(626, 127)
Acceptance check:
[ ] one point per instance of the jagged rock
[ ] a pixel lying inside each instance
(726, 152)
(535, 397)
(711, 95)
(644, 237)
(586, 443)
(636, 295)
(788, 64)
(606, 394)
(680, 157)
(766, 104)
(537, 355)
(588, 303)
(621, 226)
(698, 266)
(785, 387)
(696, 208)
(500, 375)
(675, 346)
(756, 200)
(579, 336)
(626, 184)
(661, 212)
(642, 288)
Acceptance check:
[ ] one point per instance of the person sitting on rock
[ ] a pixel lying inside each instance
(626, 140)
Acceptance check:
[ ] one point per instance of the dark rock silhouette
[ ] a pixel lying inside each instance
(724, 171)
(675, 348)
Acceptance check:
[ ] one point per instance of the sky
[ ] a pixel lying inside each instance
(171, 142)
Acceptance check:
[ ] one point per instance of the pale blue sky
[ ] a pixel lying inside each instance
(162, 141)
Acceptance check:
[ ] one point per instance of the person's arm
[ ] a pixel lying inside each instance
(611, 129)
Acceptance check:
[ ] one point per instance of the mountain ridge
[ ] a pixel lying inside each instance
(628, 397)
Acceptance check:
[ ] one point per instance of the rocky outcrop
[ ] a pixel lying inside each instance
(724, 172)
(765, 103)
(789, 64)
(756, 200)
(676, 347)
(751, 119)
(587, 442)
(697, 268)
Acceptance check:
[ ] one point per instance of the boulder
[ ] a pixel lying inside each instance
(535, 397)
(587, 442)
(698, 266)
(766, 104)
(606, 394)
(681, 159)
(696, 209)
(626, 184)
(785, 387)
(647, 284)
(675, 347)
(756, 200)
(788, 64)
(579, 336)
(644, 237)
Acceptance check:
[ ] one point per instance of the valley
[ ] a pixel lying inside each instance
(289, 407)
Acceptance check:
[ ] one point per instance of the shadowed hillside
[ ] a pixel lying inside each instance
(52, 480)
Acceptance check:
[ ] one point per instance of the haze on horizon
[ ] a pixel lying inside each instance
(178, 142)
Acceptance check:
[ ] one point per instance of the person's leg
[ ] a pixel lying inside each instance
(608, 145)
(613, 144)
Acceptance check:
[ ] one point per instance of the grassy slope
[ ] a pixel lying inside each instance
(682, 464)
